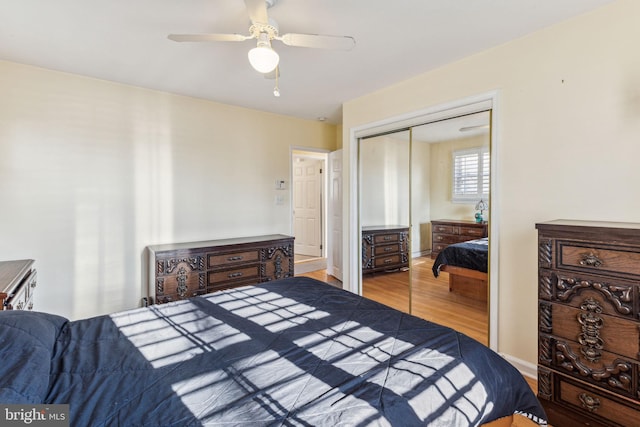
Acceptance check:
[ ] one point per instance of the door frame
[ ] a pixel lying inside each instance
(319, 154)
(488, 100)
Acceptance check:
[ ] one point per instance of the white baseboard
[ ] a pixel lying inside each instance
(301, 267)
(527, 369)
(420, 254)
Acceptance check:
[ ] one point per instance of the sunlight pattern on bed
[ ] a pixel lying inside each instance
(289, 352)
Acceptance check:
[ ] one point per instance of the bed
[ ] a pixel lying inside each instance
(289, 352)
(467, 265)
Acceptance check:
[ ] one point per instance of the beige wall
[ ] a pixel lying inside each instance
(569, 140)
(384, 190)
(442, 206)
(91, 172)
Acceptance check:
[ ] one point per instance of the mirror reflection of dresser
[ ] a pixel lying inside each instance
(448, 231)
(385, 248)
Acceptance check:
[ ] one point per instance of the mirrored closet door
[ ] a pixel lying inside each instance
(450, 167)
(384, 163)
(420, 190)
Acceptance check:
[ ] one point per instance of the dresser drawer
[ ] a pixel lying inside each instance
(181, 285)
(229, 258)
(598, 258)
(383, 250)
(609, 371)
(278, 267)
(387, 261)
(386, 238)
(447, 239)
(445, 229)
(601, 406)
(616, 297)
(170, 265)
(474, 232)
(611, 333)
(438, 247)
(243, 273)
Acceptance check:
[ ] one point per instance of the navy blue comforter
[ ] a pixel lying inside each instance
(289, 352)
(473, 254)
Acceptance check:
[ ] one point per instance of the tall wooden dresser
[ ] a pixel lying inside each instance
(384, 248)
(589, 322)
(18, 280)
(445, 232)
(183, 270)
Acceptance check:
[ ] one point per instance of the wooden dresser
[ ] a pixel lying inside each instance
(589, 322)
(445, 232)
(183, 270)
(18, 280)
(384, 248)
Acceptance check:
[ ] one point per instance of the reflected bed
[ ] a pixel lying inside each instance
(467, 264)
(289, 352)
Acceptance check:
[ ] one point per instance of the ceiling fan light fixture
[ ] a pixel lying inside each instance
(263, 58)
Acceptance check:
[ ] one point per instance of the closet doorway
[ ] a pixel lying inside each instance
(430, 174)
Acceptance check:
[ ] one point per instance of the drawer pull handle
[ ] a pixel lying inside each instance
(182, 282)
(234, 258)
(388, 261)
(233, 275)
(20, 305)
(591, 323)
(590, 403)
(440, 238)
(386, 238)
(388, 249)
(590, 260)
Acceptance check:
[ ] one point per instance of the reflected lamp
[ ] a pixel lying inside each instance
(481, 206)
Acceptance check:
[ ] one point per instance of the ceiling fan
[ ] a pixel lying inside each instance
(263, 58)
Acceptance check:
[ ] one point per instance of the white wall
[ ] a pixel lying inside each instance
(91, 172)
(569, 140)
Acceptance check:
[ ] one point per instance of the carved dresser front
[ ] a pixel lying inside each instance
(385, 248)
(589, 322)
(183, 270)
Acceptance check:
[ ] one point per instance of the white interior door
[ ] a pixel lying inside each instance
(307, 199)
(334, 244)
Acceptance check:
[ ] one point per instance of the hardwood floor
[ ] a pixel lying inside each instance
(431, 299)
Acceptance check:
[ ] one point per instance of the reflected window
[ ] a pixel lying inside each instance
(470, 175)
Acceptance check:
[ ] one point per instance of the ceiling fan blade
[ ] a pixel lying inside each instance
(318, 41)
(257, 11)
(208, 37)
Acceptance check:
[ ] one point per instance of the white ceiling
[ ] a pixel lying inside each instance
(126, 41)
